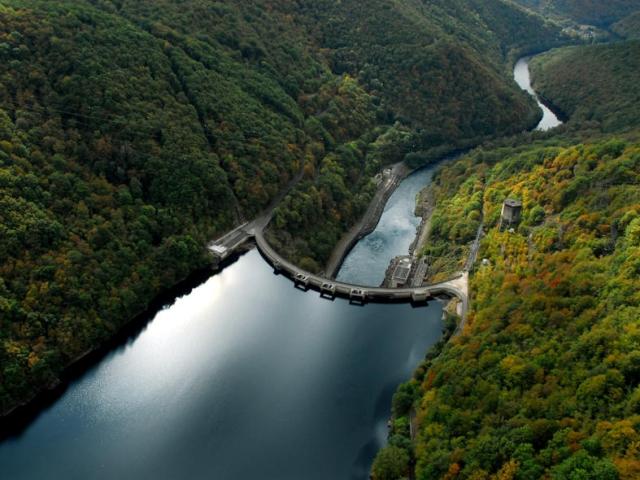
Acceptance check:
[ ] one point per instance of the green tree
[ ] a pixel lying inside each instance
(391, 463)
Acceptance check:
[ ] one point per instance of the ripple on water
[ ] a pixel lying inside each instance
(264, 381)
(368, 260)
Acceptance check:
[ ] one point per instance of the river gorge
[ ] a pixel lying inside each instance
(246, 376)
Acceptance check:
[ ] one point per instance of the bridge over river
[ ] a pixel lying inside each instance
(456, 287)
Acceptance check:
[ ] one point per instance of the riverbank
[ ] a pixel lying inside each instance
(424, 209)
(403, 418)
(390, 180)
(198, 369)
(371, 218)
(17, 418)
(522, 76)
(92, 356)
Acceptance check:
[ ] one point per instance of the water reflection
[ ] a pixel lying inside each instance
(245, 377)
(522, 76)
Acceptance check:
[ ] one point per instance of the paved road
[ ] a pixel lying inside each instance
(473, 253)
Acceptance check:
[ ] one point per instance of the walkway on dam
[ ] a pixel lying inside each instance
(456, 287)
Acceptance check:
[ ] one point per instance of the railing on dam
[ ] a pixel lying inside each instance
(356, 293)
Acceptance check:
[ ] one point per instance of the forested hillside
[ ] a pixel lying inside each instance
(415, 52)
(595, 86)
(544, 380)
(593, 12)
(628, 27)
(125, 148)
(441, 68)
(134, 132)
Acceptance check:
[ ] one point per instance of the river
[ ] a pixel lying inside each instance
(522, 76)
(397, 227)
(393, 235)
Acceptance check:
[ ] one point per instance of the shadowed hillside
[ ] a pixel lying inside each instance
(596, 86)
(628, 27)
(594, 12)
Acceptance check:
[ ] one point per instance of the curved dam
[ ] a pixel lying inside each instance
(455, 287)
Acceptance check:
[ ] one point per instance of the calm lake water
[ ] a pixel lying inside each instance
(522, 76)
(243, 378)
(367, 261)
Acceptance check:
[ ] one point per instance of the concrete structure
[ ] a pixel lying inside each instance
(302, 281)
(401, 272)
(227, 244)
(219, 250)
(420, 273)
(456, 287)
(511, 212)
(358, 295)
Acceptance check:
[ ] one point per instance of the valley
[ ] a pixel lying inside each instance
(370, 152)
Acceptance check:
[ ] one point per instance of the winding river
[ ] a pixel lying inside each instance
(522, 76)
(397, 227)
(244, 377)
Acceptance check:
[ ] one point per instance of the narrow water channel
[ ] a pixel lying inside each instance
(522, 76)
(366, 263)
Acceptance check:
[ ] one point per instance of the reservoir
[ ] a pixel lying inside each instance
(225, 383)
(246, 377)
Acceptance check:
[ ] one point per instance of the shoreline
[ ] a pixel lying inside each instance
(538, 96)
(369, 220)
(425, 208)
(563, 117)
(15, 420)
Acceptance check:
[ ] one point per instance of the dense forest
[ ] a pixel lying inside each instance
(594, 12)
(543, 381)
(131, 133)
(441, 67)
(587, 92)
(628, 27)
